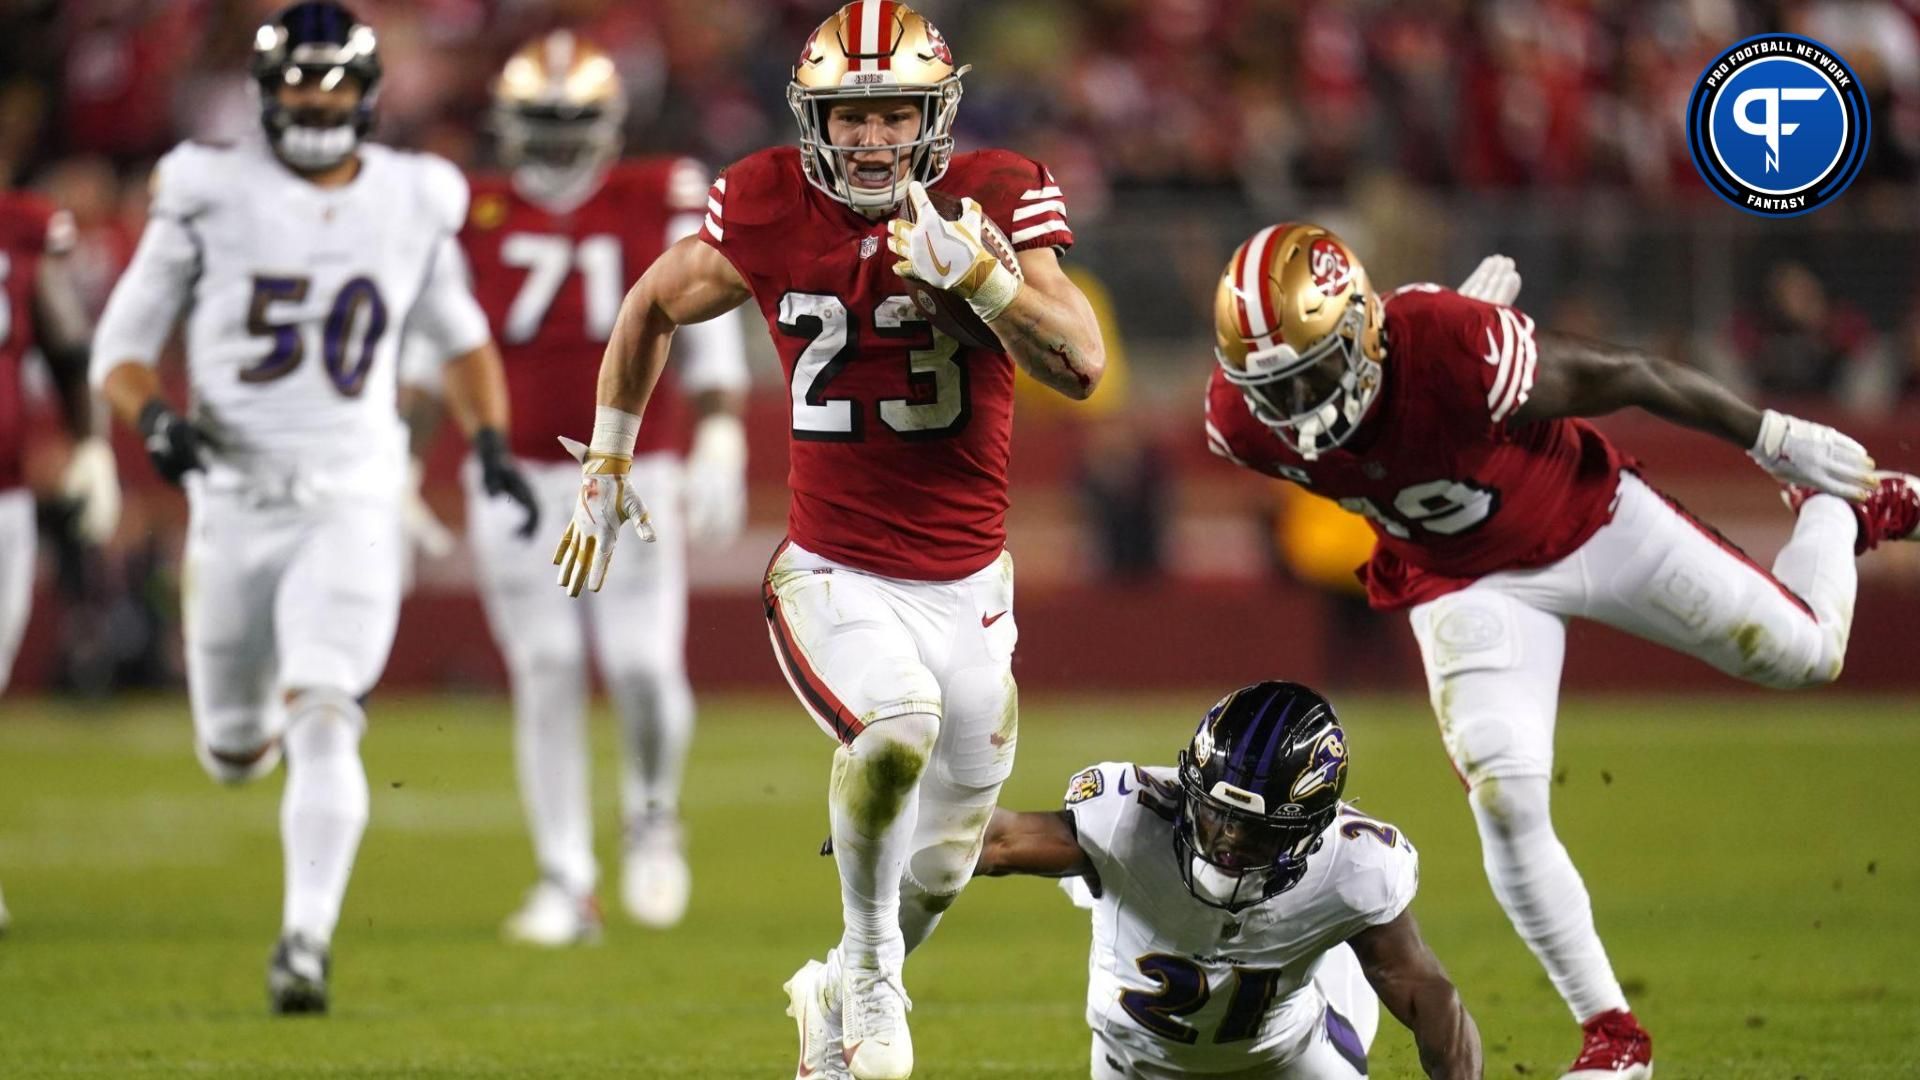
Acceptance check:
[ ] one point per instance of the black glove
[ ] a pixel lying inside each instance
(500, 477)
(173, 442)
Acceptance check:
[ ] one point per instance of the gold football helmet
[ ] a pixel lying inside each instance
(875, 49)
(1297, 328)
(558, 107)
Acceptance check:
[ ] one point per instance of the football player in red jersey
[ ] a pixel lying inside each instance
(1453, 427)
(552, 243)
(40, 308)
(890, 603)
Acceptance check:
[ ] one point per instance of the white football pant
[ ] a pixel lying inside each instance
(1493, 654)
(17, 546)
(896, 671)
(639, 625)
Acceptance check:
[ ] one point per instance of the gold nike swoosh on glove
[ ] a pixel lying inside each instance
(943, 269)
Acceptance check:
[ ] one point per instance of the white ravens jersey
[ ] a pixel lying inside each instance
(298, 296)
(1196, 987)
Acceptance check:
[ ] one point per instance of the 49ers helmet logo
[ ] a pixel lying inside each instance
(938, 43)
(1331, 268)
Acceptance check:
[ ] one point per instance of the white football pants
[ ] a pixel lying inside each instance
(639, 624)
(1493, 654)
(283, 596)
(17, 546)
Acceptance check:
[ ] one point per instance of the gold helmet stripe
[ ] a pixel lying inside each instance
(559, 46)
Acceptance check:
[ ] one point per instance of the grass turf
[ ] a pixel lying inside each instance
(1752, 862)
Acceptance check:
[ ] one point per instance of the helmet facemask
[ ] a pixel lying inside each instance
(316, 139)
(559, 155)
(829, 167)
(1312, 403)
(1232, 850)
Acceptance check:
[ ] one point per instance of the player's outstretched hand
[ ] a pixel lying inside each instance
(1496, 281)
(176, 446)
(1796, 451)
(953, 255)
(424, 529)
(717, 481)
(606, 501)
(500, 476)
(92, 482)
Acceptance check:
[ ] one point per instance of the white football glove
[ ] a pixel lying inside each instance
(1495, 281)
(1796, 451)
(423, 528)
(606, 502)
(92, 480)
(716, 497)
(957, 256)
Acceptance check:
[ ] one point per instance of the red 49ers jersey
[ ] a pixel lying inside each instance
(1454, 488)
(551, 284)
(900, 436)
(30, 228)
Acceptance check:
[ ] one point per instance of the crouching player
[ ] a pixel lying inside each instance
(1246, 922)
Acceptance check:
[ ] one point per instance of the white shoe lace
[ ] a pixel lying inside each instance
(874, 1006)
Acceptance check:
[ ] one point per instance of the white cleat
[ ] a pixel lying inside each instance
(654, 878)
(873, 1032)
(553, 918)
(813, 1002)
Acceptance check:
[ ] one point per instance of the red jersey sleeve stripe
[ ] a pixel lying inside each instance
(1035, 209)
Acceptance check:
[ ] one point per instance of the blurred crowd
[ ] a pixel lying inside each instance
(1264, 106)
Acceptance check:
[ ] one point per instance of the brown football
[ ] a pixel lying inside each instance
(948, 313)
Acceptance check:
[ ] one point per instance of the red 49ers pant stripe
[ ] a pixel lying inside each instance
(813, 691)
(1734, 549)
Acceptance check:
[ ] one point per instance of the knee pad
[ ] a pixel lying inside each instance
(234, 766)
(1511, 807)
(322, 723)
(941, 868)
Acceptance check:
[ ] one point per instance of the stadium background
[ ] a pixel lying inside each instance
(1430, 132)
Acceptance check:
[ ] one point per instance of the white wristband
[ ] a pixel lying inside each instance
(614, 431)
(1772, 438)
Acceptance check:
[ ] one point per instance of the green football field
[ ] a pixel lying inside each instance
(1753, 863)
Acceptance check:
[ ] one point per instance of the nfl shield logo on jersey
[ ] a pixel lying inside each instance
(1778, 125)
(868, 246)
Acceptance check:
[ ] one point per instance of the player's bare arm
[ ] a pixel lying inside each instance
(1049, 329)
(1415, 989)
(1042, 844)
(1580, 377)
(62, 329)
(689, 283)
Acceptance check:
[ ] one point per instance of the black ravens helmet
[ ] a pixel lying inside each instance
(1261, 782)
(315, 43)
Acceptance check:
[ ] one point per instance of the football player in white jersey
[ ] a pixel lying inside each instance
(1246, 922)
(297, 260)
